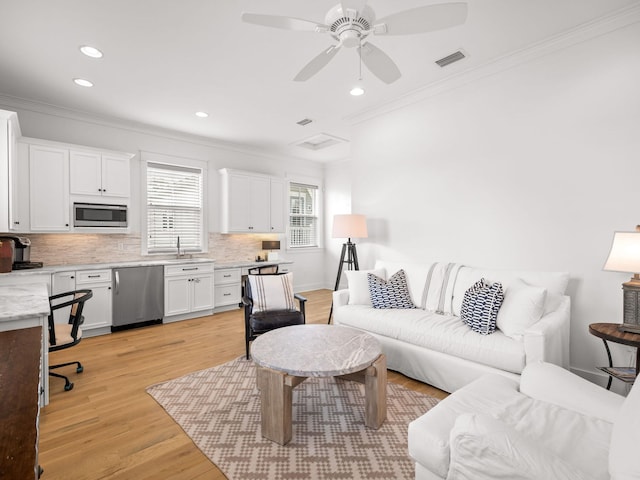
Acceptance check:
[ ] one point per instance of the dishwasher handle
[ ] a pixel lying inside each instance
(117, 274)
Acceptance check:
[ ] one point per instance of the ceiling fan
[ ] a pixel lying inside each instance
(352, 21)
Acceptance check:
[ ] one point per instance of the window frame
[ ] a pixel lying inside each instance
(318, 184)
(178, 162)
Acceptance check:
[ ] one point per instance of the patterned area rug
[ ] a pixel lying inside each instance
(219, 408)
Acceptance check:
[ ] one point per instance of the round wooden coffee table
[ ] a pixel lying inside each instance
(287, 356)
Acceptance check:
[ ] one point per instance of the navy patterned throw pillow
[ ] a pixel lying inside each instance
(392, 293)
(480, 306)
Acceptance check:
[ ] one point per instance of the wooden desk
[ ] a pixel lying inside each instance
(610, 332)
(20, 352)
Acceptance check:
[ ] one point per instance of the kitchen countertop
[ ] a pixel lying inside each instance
(23, 301)
(48, 270)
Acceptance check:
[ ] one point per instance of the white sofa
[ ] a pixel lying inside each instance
(554, 425)
(431, 344)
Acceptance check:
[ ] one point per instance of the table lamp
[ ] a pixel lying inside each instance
(271, 245)
(625, 257)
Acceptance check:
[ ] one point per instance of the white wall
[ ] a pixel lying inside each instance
(531, 168)
(49, 124)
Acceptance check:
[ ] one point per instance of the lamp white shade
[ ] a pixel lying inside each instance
(349, 226)
(625, 253)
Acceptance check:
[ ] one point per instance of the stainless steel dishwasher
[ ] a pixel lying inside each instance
(138, 296)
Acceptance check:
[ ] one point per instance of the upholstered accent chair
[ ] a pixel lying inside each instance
(269, 304)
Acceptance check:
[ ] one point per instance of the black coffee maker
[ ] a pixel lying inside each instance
(21, 252)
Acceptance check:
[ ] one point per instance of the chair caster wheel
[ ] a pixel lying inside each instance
(68, 387)
(79, 369)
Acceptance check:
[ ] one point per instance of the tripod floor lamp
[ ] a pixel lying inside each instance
(348, 226)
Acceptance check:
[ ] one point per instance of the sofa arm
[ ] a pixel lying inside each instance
(548, 339)
(552, 384)
(340, 298)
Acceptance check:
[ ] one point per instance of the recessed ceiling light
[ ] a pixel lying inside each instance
(357, 91)
(82, 82)
(202, 114)
(90, 51)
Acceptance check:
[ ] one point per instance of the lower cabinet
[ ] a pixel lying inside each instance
(188, 291)
(98, 309)
(228, 288)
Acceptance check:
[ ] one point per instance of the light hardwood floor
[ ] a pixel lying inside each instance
(108, 427)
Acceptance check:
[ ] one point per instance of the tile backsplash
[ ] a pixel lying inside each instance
(77, 249)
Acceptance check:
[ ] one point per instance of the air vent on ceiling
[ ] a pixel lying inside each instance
(449, 59)
(319, 141)
(304, 121)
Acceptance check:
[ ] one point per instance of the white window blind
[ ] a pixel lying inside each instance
(303, 215)
(174, 208)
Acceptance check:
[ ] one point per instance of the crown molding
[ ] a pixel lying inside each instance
(11, 102)
(586, 31)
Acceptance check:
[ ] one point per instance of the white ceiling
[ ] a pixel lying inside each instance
(166, 59)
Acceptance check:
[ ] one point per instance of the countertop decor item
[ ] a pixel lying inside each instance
(625, 257)
(271, 245)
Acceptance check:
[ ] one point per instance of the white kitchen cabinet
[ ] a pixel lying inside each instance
(97, 310)
(228, 288)
(9, 134)
(251, 203)
(49, 189)
(188, 290)
(99, 174)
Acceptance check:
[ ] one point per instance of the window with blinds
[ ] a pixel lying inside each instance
(174, 208)
(303, 215)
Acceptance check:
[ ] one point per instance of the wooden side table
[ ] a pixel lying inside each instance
(611, 332)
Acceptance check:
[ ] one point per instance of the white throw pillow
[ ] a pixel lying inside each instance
(272, 292)
(485, 448)
(625, 438)
(523, 306)
(359, 285)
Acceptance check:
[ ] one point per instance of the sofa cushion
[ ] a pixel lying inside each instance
(480, 306)
(416, 275)
(359, 285)
(442, 333)
(554, 282)
(483, 448)
(392, 293)
(272, 292)
(523, 306)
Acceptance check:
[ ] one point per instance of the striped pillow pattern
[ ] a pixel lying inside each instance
(272, 292)
(392, 293)
(480, 306)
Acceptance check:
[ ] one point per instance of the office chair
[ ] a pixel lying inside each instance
(66, 335)
(269, 304)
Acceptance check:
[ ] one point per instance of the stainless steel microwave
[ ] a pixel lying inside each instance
(99, 215)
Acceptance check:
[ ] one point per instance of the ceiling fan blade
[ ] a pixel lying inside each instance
(288, 23)
(423, 19)
(317, 64)
(379, 63)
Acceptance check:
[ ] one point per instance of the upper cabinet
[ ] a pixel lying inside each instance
(251, 203)
(49, 189)
(9, 134)
(53, 175)
(99, 174)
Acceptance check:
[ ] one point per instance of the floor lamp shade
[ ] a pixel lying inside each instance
(349, 226)
(625, 257)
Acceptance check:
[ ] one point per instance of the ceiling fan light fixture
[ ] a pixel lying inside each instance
(90, 51)
(357, 91)
(82, 82)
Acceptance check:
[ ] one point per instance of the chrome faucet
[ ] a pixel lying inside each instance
(178, 246)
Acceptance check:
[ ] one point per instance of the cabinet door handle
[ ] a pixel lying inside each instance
(16, 223)
(94, 276)
(226, 294)
(189, 269)
(227, 276)
(117, 281)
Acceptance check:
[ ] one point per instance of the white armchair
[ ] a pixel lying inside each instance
(554, 425)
